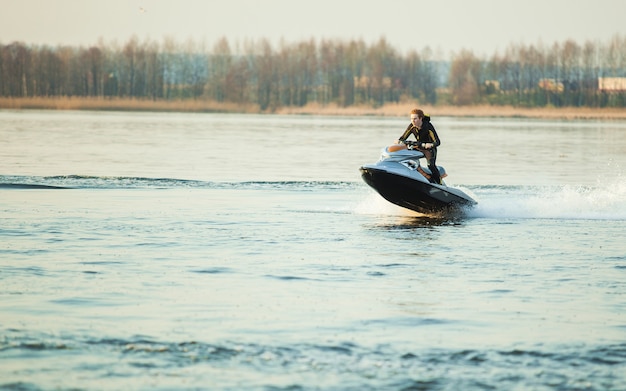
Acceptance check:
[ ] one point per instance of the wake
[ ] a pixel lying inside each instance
(606, 202)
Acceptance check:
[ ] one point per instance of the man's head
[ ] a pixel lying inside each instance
(416, 117)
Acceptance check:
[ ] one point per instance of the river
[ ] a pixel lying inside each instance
(232, 252)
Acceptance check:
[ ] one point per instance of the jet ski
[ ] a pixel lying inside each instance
(400, 178)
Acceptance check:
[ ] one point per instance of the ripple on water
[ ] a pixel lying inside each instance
(335, 365)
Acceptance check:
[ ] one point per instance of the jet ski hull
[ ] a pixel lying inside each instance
(420, 196)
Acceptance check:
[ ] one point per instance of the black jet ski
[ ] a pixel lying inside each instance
(400, 178)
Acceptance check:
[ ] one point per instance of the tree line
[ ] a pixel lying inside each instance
(327, 71)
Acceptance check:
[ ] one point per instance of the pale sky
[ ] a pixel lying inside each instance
(483, 26)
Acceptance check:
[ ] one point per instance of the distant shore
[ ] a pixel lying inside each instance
(402, 110)
(388, 110)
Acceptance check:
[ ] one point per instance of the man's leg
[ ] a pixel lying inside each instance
(431, 157)
(435, 177)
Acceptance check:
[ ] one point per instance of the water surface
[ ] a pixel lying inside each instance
(187, 251)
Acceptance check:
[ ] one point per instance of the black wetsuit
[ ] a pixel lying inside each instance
(426, 134)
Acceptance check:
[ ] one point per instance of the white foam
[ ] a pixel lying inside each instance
(606, 202)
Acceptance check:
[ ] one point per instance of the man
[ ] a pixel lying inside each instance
(427, 140)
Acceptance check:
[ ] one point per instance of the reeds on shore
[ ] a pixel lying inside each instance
(389, 109)
(124, 104)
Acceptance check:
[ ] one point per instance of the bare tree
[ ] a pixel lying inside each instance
(465, 77)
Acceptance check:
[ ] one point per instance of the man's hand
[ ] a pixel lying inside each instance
(427, 145)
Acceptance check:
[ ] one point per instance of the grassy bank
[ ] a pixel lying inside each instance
(395, 110)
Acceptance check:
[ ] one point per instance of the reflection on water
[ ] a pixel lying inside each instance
(401, 223)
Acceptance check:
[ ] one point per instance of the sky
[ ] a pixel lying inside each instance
(484, 27)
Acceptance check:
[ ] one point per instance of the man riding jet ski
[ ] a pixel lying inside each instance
(427, 140)
(400, 179)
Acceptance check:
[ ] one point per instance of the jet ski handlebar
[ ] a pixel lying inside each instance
(411, 144)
